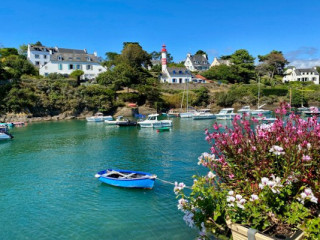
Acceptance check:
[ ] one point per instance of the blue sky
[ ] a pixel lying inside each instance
(218, 27)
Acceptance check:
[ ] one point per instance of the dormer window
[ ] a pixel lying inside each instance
(174, 71)
(180, 72)
(60, 58)
(88, 59)
(70, 58)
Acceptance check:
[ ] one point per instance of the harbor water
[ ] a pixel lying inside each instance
(48, 189)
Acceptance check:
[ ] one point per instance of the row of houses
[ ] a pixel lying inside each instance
(65, 61)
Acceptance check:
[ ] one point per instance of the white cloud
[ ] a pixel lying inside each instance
(302, 63)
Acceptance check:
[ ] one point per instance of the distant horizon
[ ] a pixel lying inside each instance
(216, 27)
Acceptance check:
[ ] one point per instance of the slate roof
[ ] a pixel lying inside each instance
(303, 70)
(67, 54)
(175, 71)
(199, 60)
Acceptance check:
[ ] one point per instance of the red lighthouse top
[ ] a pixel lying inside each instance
(163, 48)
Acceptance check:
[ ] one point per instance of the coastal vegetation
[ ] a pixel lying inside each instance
(131, 77)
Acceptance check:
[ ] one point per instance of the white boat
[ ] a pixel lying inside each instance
(119, 119)
(188, 114)
(4, 134)
(226, 114)
(173, 113)
(203, 114)
(99, 117)
(259, 111)
(153, 122)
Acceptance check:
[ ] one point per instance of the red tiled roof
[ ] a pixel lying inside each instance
(201, 77)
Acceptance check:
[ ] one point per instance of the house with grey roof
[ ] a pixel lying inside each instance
(65, 61)
(197, 62)
(218, 62)
(301, 75)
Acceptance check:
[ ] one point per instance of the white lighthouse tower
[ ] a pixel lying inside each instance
(164, 58)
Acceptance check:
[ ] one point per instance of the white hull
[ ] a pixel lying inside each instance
(155, 124)
(99, 119)
(4, 136)
(186, 115)
(204, 116)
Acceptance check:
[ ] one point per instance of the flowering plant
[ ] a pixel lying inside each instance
(265, 176)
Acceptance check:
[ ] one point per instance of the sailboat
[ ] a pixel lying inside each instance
(189, 113)
(259, 110)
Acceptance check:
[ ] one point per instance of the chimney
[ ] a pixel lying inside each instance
(95, 54)
(85, 50)
(205, 56)
(50, 51)
(188, 55)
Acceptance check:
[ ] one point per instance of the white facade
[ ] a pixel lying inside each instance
(301, 75)
(217, 62)
(197, 62)
(173, 74)
(91, 70)
(65, 61)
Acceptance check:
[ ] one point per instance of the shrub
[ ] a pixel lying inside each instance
(264, 176)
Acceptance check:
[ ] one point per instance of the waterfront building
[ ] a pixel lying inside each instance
(173, 74)
(65, 61)
(217, 62)
(200, 79)
(301, 75)
(197, 62)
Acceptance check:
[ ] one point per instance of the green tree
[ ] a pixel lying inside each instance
(76, 74)
(201, 97)
(20, 99)
(221, 73)
(16, 66)
(38, 43)
(133, 55)
(201, 52)
(157, 56)
(122, 75)
(275, 62)
(242, 65)
(23, 50)
(6, 52)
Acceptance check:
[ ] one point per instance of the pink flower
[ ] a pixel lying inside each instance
(306, 158)
(231, 176)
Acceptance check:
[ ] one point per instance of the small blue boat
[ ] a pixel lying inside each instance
(126, 178)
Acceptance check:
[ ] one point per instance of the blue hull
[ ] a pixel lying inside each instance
(142, 182)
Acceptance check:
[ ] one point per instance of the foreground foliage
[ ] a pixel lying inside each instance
(264, 176)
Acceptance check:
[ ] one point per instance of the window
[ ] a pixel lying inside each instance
(180, 72)
(89, 67)
(45, 56)
(37, 63)
(60, 66)
(70, 58)
(36, 56)
(45, 63)
(180, 80)
(46, 74)
(89, 59)
(186, 80)
(60, 57)
(78, 66)
(45, 67)
(173, 80)
(78, 58)
(174, 71)
(70, 66)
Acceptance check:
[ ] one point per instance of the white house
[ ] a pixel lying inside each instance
(301, 75)
(197, 62)
(173, 74)
(217, 62)
(65, 61)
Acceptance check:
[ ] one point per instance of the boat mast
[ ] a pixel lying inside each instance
(184, 89)
(187, 97)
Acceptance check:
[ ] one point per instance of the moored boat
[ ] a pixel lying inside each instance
(153, 122)
(226, 114)
(126, 178)
(203, 114)
(127, 123)
(4, 133)
(99, 117)
(173, 113)
(188, 114)
(163, 129)
(114, 122)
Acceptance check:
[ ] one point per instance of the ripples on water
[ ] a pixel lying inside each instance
(48, 189)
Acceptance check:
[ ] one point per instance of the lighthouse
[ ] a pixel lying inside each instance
(164, 58)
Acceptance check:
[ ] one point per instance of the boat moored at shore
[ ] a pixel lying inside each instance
(203, 114)
(4, 133)
(99, 117)
(153, 122)
(226, 114)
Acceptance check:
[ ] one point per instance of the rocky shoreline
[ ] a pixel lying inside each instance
(28, 118)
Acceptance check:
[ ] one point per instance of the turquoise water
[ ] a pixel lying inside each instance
(48, 189)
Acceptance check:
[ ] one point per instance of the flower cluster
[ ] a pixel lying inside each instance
(178, 187)
(258, 175)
